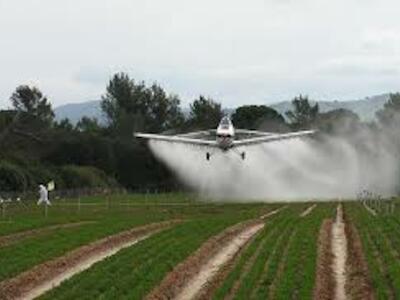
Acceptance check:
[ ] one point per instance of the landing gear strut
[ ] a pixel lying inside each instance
(208, 155)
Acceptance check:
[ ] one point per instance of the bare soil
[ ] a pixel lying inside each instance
(211, 268)
(358, 285)
(16, 237)
(339, 250)
(308, 211)
(191, 278)
(324, 281)
(271, 213)
(43, 277)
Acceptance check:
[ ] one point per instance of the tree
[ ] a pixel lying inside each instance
(164, 110)
(303, 114)
(89, 125)
(64, 124)
(339, 122)
(118, 94)
(257, 117)
(129, 106)
(31, 100)
(389, 116)
(205, 113)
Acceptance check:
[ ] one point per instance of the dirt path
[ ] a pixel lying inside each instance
(271, 213)
(308, 211)
(15, 237)
(339, 250)
(198, 273)
(209, 270)
(324, 280)
(358, 285)
(48, 275)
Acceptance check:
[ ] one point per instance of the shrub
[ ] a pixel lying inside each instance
(85, 177)
(13, 177)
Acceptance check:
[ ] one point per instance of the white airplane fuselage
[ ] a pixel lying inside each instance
(225, 134)
(225, 138)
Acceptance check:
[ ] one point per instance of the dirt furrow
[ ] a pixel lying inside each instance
(358, 285)
(324, 280)
(339, 250)
(271, 213)
(16, 237)
(308, 211)
(190, 278)
(210, 269)
(38, 280)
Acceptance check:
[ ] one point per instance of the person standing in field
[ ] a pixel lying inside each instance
(43, 195)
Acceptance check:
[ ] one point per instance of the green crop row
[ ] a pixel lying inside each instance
(266, 238)
(281, 262)
(381, 244)
(38, 248)
(134, 271)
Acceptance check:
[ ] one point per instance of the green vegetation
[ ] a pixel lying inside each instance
(109, 215)
(278, 263)
(381, 243)
(269, 267)
(96, 153)
(145, 264)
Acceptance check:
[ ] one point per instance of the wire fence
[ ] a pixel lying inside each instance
(377, 203)
(17, 196)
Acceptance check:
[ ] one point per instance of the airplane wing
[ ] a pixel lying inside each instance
(199, 134)
(272, 137)
(252, 132)
(177, 139)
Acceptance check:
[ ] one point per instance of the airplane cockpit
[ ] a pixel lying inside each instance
(225, 123)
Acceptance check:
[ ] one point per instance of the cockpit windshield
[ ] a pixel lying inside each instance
(225, 122)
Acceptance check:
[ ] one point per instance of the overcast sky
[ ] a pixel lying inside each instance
(237, 52)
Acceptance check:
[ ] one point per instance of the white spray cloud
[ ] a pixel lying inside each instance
(298, 169)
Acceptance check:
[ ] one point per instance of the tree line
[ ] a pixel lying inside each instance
(34, 148)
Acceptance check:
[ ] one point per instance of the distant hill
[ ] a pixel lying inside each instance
(75, 111)
(364, 108)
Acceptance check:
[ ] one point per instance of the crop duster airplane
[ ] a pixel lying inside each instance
(225, 137)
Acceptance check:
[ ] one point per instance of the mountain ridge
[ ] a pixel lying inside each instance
(364, 108)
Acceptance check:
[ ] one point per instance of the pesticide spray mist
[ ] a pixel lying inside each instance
(298, 169)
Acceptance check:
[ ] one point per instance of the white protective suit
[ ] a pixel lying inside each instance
(44, 195)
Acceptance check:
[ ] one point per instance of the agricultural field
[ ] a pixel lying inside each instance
(380, 241)
(175, 246)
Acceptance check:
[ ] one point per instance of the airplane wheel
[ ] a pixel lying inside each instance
(243, 155)
(208, 155)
